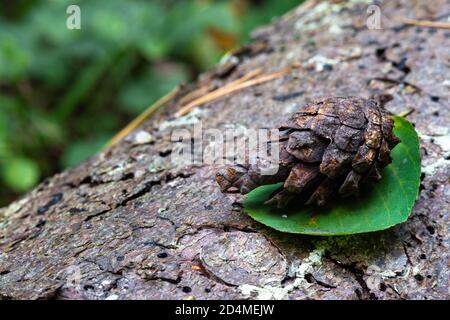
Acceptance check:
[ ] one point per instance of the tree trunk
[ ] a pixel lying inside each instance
(129, 223)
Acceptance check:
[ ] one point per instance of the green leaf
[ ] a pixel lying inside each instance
(20, 174)
(13, 59)
(149, 87)
(380, 206)
(81, 150)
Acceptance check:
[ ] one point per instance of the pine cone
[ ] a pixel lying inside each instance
(327, 148)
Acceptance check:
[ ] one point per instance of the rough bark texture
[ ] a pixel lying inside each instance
(129, 224)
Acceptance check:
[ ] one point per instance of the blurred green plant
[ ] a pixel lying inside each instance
(64, 93)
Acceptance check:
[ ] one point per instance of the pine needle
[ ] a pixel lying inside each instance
(239, 84)
(142, 117)
(424, 23)
(245, 81)
(406, 112)
(203, 90)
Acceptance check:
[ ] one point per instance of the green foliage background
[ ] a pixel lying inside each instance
(64, 93)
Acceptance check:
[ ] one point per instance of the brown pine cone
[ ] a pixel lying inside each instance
(327, 148)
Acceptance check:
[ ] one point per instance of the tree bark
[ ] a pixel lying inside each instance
(128, 223)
